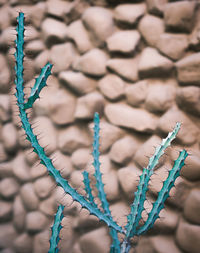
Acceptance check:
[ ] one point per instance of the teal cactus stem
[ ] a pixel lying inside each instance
(140, 196)
(88, 189)
(40, 83)
(158, 205)
(46, 161)
(19, 56)
(115, 247)
(55, 230)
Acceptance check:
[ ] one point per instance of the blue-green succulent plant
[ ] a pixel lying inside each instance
(133, 227)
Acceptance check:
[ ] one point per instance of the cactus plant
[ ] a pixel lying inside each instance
(133, 227)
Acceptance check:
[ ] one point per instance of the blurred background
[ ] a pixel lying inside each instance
(137, 64)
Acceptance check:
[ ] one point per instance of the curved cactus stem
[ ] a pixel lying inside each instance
(158, 205)
(54, 240)
(138, 205)
(46, 161)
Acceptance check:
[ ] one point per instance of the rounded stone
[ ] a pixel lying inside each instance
(44, 187)
(9, 187)
(99, 22)
(188, 236)
(29, 198)
(36, 221)
(192, 206)
(112, 87)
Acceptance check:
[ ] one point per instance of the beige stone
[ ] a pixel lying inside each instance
(129, 14)
(80, 158)
(158, 244)
(90, 242)
(160, 98)
(89, 104)
(125, 68)
(9, 137)
(153, 64)
(62, 163)
(112, 86)
(5, 107)
(5, 211)
(151, 28)
(136, 93)
(40, 244)
(188, 99)
(53, 31)
(37, 14)
(111, 185)
(78, 82)
(9, 187)
(173, 45)
(78, 33)
(187, 236)
(92, 63)
(44, 186)
(188, 69)
(123, 41)
(5, 167)
(99, 22)
(19, 213)
(191, 170)
(28, 196)
(38, 170)
(123, 150)
(192, 205)
(48, 206)
(128, 179)
(7, 235)
(23, 243)
(33, 48)
(20, 168)
(36, 221)
(4, 74)
(180, 16)
(46, 133)
(188, 132)
(156, 6)
(119, 212)
(66, 53)
(72, 138)
(62, 107)
(124, 115)
(41, 60)
(58, 8)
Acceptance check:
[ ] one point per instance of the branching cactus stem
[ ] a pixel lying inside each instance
(133, 227)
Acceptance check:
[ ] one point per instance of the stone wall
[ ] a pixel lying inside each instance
(137, 64)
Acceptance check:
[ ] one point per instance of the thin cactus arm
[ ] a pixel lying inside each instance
(140, 195)
(19, 56)
(55, 230)
(115, 246)
(40, 83)
(96, 164)
(33, 139)
(88, 189)
(158, 205)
